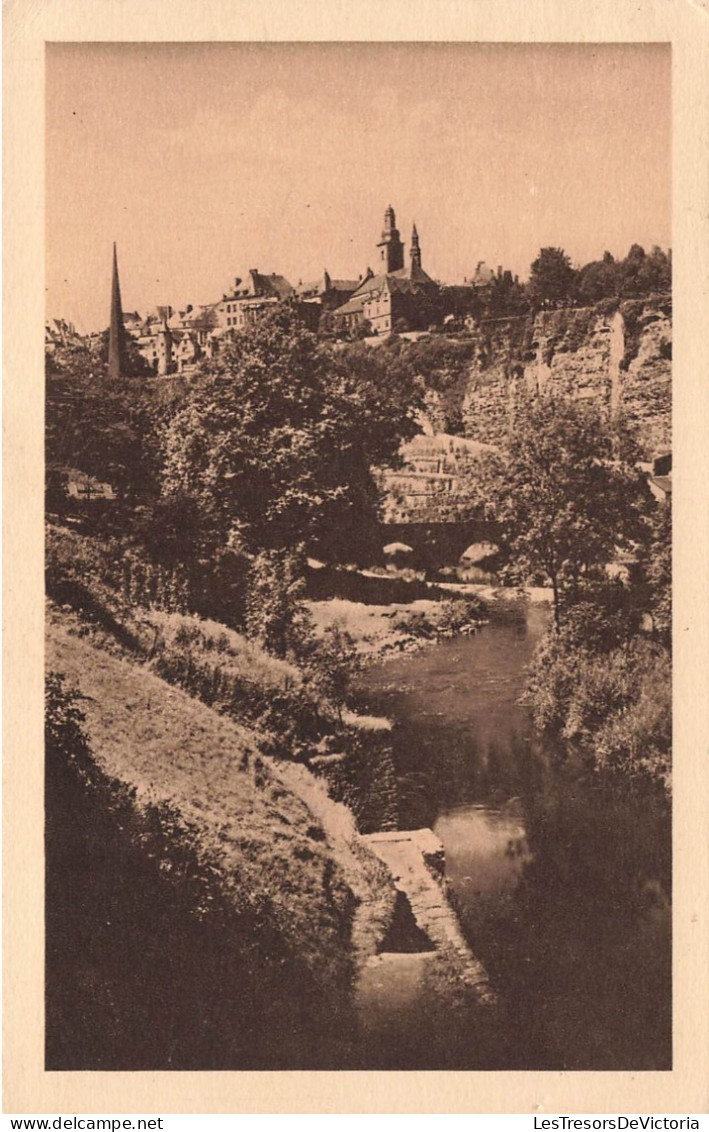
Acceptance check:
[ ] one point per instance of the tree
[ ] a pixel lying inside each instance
(598, 280)
(277, 440)
(565, 497)
(135, 364)
(98, 426)
(654, 272)
(551, 277)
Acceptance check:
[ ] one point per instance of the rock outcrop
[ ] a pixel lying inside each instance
(616, 355)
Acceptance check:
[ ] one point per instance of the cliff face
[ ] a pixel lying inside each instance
(619, 358)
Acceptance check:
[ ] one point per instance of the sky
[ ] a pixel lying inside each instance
(205, 160)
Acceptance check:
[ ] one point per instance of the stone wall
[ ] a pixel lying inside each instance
(646, 387)
(616, 356)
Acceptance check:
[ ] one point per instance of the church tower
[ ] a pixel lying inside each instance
(415, 250)
(392, 249)
(116, 334)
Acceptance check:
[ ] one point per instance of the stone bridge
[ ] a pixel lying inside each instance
(436, 544)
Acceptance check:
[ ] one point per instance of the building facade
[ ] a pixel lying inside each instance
(174, 341)
(398, 295)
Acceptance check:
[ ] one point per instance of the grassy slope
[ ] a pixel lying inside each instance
(247, 809)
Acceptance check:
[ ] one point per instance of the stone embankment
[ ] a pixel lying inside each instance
(416, 861)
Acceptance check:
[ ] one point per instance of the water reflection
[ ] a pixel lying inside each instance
(485, 850)
(562, 880)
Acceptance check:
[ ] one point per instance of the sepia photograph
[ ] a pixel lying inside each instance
(358, 502)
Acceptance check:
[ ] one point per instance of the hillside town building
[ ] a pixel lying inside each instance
(59, 332)
(399, 296)
(173, 341)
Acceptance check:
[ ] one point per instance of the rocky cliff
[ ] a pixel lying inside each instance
(616, 355)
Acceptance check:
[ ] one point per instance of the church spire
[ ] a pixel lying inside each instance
(116, 333)
(415, 249)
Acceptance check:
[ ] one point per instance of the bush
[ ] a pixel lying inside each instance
(459, 613)
(449, 616)
(614, 706)
(89, 572)
(332, 664)
(238, 679)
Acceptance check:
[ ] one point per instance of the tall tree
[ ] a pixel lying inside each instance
(551, 277)
(566, 499)
(598, 280)
(277, 440)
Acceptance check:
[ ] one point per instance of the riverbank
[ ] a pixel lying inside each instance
(277, 849)
(560, 876)
(383, 630)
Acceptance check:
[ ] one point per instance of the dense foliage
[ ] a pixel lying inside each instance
(99, 427)
(614, 705)
(276, 441)
(566, 496)
(574, 512)
(603, 682)
(444, 366)
(554, 282)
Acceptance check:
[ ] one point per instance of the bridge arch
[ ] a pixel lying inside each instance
(436, 545)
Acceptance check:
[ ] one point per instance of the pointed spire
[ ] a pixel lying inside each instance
(415, 249)
(116, 333)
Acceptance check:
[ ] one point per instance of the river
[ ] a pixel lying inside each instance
(561, 881)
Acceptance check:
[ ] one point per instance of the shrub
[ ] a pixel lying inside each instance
(449, 616)
(275, 614)
(91, 572)
(614, 705)
(332, 664)
(237, 678)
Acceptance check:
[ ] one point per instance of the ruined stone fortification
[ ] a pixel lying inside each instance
(618, 356)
